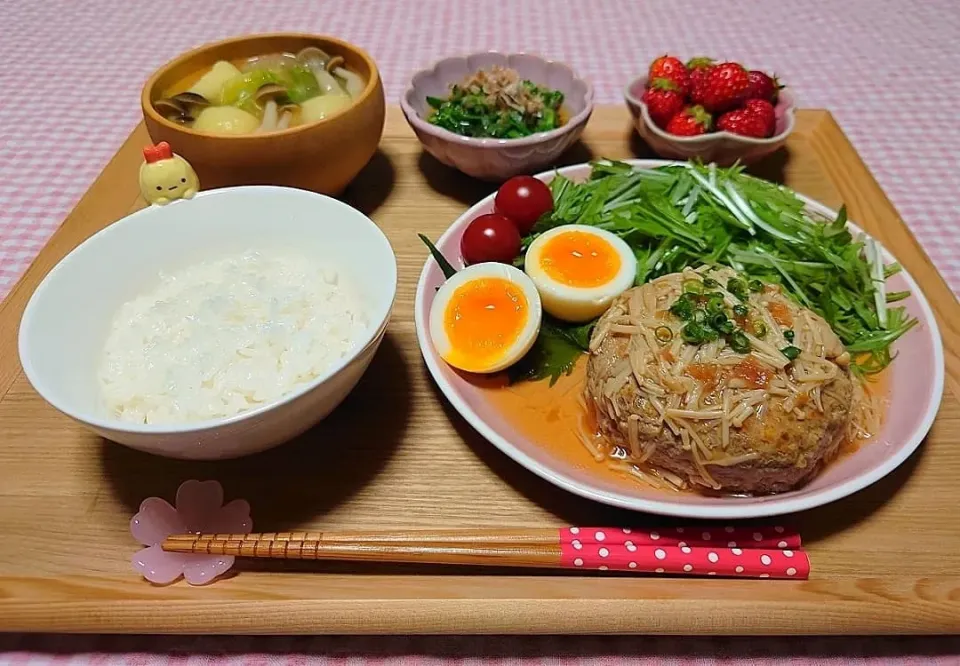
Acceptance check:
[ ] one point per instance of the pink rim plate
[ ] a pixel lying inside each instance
(915, 385)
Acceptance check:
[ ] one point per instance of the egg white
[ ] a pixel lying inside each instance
(579, 304)
(528, 333)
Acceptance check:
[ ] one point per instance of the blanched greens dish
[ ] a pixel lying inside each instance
(497, 104)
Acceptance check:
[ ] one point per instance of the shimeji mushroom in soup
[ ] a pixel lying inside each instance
(264, 94)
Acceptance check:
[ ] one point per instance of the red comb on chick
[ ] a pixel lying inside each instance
(161, 151)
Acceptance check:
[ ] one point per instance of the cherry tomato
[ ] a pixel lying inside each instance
(490, 237)
(524, 199)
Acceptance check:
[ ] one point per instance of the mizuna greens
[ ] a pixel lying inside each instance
(690, 215)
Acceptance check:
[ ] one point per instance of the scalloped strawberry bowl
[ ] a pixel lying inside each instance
(497, 159)
(723, 148)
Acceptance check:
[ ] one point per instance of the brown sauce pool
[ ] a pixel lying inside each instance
(552, 416)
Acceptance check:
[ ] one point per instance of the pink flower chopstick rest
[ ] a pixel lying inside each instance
(199, 508)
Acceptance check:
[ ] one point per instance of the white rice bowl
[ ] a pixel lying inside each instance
(226, 336)
(319, 283)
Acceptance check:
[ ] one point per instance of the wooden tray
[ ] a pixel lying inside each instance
(396, 455)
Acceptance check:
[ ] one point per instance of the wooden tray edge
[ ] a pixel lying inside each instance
(866, 616)
(872, 609)
(861, 192)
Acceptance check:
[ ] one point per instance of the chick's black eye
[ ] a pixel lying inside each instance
(159, 187)
(183, 180)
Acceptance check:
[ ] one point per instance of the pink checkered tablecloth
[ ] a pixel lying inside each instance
(69, 83)
(886, 69)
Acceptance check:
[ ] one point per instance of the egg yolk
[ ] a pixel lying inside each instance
(579, 259)
(482, 320)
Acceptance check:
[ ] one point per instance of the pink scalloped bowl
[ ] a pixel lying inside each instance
(722, 148)
(916, 387)
(497, 159)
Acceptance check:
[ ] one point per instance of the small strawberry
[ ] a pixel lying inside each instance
(668, 67)
(764, 110)
(763, 86)
(725, 87)
(692, 121)
(663, 100)
(698, 67)
(756, 119)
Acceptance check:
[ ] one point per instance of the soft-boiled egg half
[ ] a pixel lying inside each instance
(579, 270)
(485, 317)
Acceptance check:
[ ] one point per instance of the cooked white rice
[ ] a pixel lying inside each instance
(223, 337)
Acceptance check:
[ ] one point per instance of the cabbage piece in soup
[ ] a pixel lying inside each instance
(266, 93)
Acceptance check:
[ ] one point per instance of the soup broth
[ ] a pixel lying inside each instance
(265, 93)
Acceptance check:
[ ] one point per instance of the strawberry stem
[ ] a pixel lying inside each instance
(701, 115)
(698, 62)
(660, 83)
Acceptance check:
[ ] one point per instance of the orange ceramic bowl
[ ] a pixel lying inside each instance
(323, 156)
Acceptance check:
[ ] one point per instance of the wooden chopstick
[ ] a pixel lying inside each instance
(447, 536)
(516, 548)
(744, 553)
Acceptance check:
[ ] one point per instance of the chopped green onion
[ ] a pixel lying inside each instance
(739, 342)
(682, 308)
(788, 334)
(700, 316)
(759, 329)
(663, 333)
(715, 302)
(693, 333)
(790, 352)
(710, 282)
(741, 310)
(756, 286)
(698, 334)
(692, 287)
(738, 288)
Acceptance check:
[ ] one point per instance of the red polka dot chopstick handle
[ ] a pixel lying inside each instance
(748, 553)
(710, 535)
(745, 553)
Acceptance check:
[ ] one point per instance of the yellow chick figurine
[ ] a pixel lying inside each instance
(165, 177)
